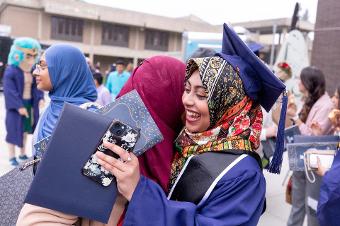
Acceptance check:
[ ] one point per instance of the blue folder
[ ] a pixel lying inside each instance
(59, 183)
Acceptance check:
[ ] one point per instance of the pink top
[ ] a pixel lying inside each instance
(319, 113)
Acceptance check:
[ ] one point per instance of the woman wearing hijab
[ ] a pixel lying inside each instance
(216, 176)
(63, 72)
(155, 80)
(159, 81)
(216, 122)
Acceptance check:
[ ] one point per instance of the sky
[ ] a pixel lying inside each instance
(217, 11)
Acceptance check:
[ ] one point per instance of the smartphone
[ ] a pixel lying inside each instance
(118, 133)
(325, 160)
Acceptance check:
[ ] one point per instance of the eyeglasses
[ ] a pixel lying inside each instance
(40, 67)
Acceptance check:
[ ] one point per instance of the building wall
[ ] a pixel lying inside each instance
(46, 26)
(33, 18)
(326, 46)
(23, 21)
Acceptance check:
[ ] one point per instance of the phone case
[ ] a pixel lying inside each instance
(326, 158)
(120, 134)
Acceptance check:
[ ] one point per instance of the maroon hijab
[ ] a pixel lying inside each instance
(159, 81)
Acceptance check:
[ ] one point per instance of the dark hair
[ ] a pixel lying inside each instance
(203, 52)
(98, 77)
(314, 81)
(120, 62)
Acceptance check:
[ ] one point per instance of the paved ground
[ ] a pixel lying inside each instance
(277, 210)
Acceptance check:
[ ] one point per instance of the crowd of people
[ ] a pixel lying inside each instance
(216, 108)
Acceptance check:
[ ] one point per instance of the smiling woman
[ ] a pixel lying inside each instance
(216, 175)
(196, 105)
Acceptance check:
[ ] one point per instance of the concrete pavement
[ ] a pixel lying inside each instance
(277, 209)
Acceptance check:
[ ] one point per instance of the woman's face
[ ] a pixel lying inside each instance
(197, 118)
(42, 75)
(302, 88)
(335, 99)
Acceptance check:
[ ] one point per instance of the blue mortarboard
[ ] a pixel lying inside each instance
(254, 46)
(259, 82)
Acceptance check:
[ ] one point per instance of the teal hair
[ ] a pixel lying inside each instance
(27, 43)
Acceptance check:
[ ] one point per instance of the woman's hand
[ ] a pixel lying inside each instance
(316, 129)
(125, 169)
(321, 170)
(23, 112)
(334, 117)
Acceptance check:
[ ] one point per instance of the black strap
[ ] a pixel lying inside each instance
(199, 174)
(202, 170)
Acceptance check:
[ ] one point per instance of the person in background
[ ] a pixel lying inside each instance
(328, 211)
(89, 63)
(21, 96)
(111, 68)
(117, 79)
(103, 94)
(284, 73)
(129, 68)
(97, 67)
(317, 106)
(334, 116)
(203, 52)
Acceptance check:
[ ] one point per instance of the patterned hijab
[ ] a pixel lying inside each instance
(235, 120)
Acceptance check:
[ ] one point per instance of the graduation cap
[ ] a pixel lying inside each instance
(259, 82)
(255, 47)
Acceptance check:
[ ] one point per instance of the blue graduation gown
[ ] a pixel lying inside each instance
(328, 211)
(237, 199)
(13, 82)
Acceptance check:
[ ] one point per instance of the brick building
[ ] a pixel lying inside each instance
(326, 46)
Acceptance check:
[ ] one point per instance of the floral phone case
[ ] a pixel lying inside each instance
(120, 134)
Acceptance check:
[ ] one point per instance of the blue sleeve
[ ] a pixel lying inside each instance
(234, 201)
(13, 98)
(328, 211)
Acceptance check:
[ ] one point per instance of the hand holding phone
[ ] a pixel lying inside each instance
(325, 158)
(118, 133)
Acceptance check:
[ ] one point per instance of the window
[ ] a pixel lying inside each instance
(116, 35)
(69, 29)
(156, 40)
